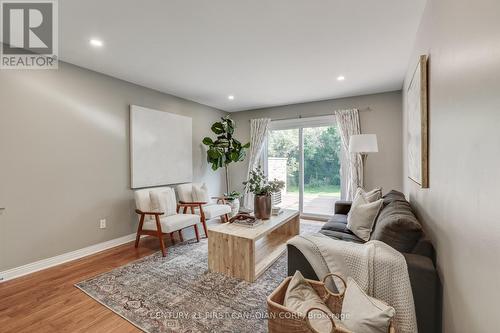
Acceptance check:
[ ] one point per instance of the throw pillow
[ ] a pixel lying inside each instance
(364, 314)
(164, 201)
(200, 193)
(300, 297)
(362, 217)
(397, 226)
(369, 196)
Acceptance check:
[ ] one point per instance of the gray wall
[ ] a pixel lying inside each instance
(460, 209)
(384, 119)
(64, 147)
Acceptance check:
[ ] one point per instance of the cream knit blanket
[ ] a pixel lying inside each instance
(379, 270)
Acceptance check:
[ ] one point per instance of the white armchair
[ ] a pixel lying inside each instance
(159, 215)
(196, 195)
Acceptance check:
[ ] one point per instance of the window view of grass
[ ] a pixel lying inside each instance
(323, 190)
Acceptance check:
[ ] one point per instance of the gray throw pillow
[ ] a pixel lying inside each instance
(364, 314)
(397, 226)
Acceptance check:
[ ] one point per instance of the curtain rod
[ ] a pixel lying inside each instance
(314, 116)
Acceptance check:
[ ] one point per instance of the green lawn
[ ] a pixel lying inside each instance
(320, 190)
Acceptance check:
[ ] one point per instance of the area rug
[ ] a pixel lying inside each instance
(178, 294)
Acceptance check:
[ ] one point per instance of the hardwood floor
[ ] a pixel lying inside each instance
(48, 301)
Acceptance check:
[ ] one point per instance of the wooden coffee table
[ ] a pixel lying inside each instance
(246, 253)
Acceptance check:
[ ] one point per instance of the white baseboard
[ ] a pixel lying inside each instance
(60, 259)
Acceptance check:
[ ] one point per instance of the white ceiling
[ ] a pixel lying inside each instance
(264, 52)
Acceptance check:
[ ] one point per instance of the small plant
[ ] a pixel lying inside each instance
(232, 195)
(258, 183)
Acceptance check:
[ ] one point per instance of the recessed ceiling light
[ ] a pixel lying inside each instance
(230, 97)
(96, 42)
(340, 78)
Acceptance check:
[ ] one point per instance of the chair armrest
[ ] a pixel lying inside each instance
(221, 199)
(194, 203)
(140, 212)
(342, 207)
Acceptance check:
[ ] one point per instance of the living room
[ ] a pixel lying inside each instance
(232, 166)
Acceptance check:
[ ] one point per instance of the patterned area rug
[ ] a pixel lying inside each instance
(178, 294)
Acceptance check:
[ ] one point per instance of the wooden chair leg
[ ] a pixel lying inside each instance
(139, 229)
(160, 236)
(197, 233)
(204, 226)
(162, 245)
(172, 238)
(180, 236)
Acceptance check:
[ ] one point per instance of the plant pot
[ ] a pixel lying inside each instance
(262, 207)
(235, 206)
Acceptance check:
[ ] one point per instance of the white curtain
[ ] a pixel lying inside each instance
(259, 129)
(352, 166)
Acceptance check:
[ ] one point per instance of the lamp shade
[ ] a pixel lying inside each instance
(363, 143)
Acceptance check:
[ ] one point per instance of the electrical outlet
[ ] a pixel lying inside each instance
(102, 223)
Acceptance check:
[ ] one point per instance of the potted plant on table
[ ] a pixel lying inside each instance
(233, 199)
(262, 188)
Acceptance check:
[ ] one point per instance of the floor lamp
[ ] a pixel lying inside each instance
(363, 144)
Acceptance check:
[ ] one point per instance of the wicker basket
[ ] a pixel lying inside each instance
(283, 320)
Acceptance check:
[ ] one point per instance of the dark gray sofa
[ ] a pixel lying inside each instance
(397, 226)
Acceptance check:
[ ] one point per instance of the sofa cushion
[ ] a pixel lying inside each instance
(173, 222)
(342, 207)
(341, 236)
(338, 218)
(212, 211)
(397, 226)
(336, 226)
(337, 222)
(393, 196)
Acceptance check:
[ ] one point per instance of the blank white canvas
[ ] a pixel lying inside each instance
(161, 147)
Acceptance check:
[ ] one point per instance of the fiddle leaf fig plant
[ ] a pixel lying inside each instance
(224, 149)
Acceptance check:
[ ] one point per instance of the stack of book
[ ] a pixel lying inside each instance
(276, 211)
(245, 220)
(251, 222)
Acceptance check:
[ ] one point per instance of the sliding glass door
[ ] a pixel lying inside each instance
(283, 162)
(321, 170)
(305, 153)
